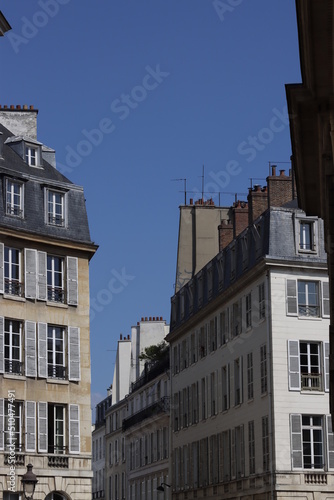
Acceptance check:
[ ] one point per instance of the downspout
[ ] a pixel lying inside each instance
(270, 393)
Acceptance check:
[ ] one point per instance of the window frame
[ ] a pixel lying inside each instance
(14, 209)
(51, 216)
(33, 160)
(12, 286)
(56, 370)
(55, 293)
(14, 366)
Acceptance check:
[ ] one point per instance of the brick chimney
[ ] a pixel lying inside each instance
(240, 217)
(280, 188)
(225, 230)
(20, 120)
(257, 202)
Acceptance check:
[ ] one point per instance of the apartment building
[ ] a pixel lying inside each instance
(45, 249)
(250, 359)
(99, 446)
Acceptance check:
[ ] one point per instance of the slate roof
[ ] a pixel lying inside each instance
(34, 181)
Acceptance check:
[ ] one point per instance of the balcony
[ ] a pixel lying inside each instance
(311, 382)
(151, 372)
(150, 411)
(309, 311)
(56, 371)
(13, 287)
(58, 461)
(14, 367)
(56, 294)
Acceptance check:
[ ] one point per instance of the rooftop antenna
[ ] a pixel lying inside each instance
(185, 188)
(203, 182)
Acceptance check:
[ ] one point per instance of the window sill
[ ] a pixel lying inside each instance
(56, 304)
(13, 376)
(14, 297)
(308, 318)
(57, 381)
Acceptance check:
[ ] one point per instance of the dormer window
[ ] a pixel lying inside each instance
(31, 156)
(14, 198)
(55, 208)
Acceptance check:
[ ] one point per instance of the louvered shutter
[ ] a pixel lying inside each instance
(242, 449)
(241, 375)
(221, 457)
(72, 281)
(30, 257)
(2, 423)
(74, 429)
(325, 299)
(326, 365)
(30, 426)
(233, 471)
(73, 353)
(42, 350)
(330, 443)
(296, 441)
(208, 395)
(2, 287)
(291, 297)
(30, 348)
(42, 427)
(42, 276)
(228, 386)
(2, 340)
(294, 365)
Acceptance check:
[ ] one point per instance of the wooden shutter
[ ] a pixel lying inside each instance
(2, 286)
(72, 281)
(42, 276)
(291, 297)
(74, 429)
(30, 258)
(330, 443)
(42, 350)
(2, 349)
(30, 426)
(73, 353)
(2, 423)
(294, 365)
(326, 365)
(30, 348)
(296, 441)
(325, 299)
(42, 427)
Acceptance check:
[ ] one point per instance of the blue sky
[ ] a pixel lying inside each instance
(133, 94)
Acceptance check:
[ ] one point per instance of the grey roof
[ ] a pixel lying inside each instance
(35, 180)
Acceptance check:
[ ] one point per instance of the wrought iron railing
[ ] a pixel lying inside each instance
(56, 371)
(13, 287)
(310, 311)
(150, 411)
(56, 220)
(14, 367)
(56, 294)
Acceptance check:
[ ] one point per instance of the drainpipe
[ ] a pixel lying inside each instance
(270, 383)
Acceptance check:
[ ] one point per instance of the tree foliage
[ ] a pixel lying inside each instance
(154, 352)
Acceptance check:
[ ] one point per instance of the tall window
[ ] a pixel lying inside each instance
(308, 298)
(56, 352)
(13, 341)
(264, 374)
(225, 388)
(13, 425)
(224, 326)
(55, 272)
(31, 156)
(213, 393)
(250, 376)
(251, 447)
(238, 381)
(262, 304)
(236, 319)
(310, 366)
(14, 198)
(306, 235)
(248, 310)
(312, 442)
(56, 428)
(265, 443)
(56, 208)
(12, 264)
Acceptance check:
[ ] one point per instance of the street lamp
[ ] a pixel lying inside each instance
(161, 488)
(29, 481)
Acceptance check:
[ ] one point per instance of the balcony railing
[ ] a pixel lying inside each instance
(56, 220)
(150, 411)
(57, 450)
(14, 210)
(310, 311)
(56, 371)
(14, 367)
(13, 287)
(56, 294)
(58, 461)
(311, 382)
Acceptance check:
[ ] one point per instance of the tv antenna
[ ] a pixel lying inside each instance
(185, 188)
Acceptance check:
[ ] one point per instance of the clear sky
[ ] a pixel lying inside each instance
(135, 93)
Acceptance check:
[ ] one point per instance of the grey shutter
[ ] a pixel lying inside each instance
(72, 281)
(2, 349)
(325, 299)
(294, 365)
(73, 353)
(42, 350)
(1, 268)
(326, 365)
(30, 348)
(30, 258)
(296, 441)
(291, 297)
(2, 423)
(42, 274)
(30, 426)
(42, 427)
(330, 443)
(74, 429)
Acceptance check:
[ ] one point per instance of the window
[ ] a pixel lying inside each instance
(233, 261)
(13, 342)
(55, 278)
(309, 299)
(12, 271)
(194, 402)
(56, 209)
(193, 348)
(251, 447)
(250, 376)
(56, 429)
(176, 359)
(14, 198)
(13, 425)
(184, 354)
(236, 319)
(306, 238)
(213, 390)
(265, 443)
(262, 303)
(31, 154)
(239, 451)
(225, 388)
(238, 381)
(56, 352)
(204, 395)
(224, 326)
(248, 310)
(203, 342)
(213, 334)
(264, 375)
(308, 366)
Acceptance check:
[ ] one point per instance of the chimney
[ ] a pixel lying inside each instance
(225, 230)
(21, 122)
(280, 188)
(240, 217)
(257, 202)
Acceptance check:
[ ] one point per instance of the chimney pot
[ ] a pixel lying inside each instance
(25, 106)
(145, 318)
(282, 173)
(18, 106)
(137, 323)
(150, 318)
(142, 319)
(5, 106)
(273, 170)
(161, 318)
(120, 337)
(31, 106)
(12, 106)
(191, 201)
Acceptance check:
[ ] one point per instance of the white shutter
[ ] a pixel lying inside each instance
(72, 281)
(296, 441)
(325, 299)
(42, 350)
(330, 443)
(73, 353)
(2, 349)
(326, 365)
(42, 427)
(42, 274)
(30, 348)
(2, 287)
(30, 258)
(74, 429)
(291, 297)
(2, 423)
(294, 365)
(30, 426)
